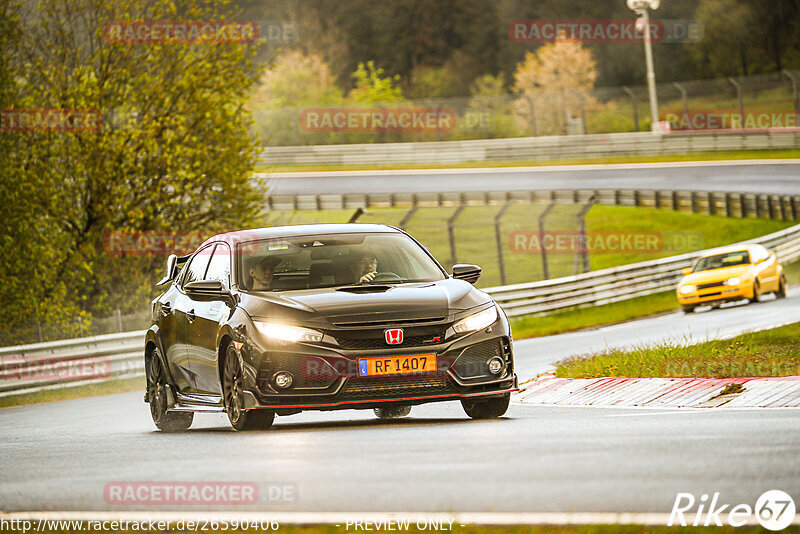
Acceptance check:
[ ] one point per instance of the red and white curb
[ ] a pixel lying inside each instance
(773, 392)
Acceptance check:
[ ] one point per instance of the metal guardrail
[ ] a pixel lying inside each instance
(619, 283)
(532, 148)
(75, 362)
(70, 362)
(759, 205)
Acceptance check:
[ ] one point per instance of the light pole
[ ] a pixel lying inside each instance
(641, 7)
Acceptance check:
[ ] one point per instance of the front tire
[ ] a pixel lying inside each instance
(392, 412)
(157, 397)
(233, 397)
(486, 409)
(781, 292)
(756, 292)
(688, 309)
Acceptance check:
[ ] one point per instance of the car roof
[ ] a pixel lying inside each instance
(299, 230)
(731, 248)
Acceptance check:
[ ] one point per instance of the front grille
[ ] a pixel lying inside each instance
(373, 343)
(396, 386)
(472, 362)
(711, 294)
(711, 284)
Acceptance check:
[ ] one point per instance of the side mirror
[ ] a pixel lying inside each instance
(169, 276)
(687, 270)
(206, 290)
(760, 261)
(467, 272)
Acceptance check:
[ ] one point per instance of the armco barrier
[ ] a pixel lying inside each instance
(46, 365)
(759, 205)
(532, 148)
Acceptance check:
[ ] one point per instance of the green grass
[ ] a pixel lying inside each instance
(772, 352)
(92, 390)
(698, 156)
(577, 319)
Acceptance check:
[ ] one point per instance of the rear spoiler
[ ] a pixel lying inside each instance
(174, 264)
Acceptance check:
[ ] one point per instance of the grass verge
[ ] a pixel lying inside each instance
(773, 352)
(91, 390)
(699, 156)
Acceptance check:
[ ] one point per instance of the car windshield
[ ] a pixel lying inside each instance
(720, 261)
(311, 262)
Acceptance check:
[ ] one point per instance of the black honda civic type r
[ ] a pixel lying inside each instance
(279, 320)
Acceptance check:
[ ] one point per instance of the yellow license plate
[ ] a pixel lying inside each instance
(397, 365)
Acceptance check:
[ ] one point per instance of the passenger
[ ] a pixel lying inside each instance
(262, 272)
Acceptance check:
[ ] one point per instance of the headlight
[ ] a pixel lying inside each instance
(688, 289)
(288, 333)
(733, 281)
(476, 321)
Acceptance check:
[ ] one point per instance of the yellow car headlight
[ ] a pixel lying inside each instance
(476, 321)
(288, 333)
(690, 288)
(735, 281)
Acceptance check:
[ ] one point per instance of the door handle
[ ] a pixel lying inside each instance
(190, 315)
(166, 308)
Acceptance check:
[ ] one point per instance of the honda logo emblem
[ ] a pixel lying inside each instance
(394, 336)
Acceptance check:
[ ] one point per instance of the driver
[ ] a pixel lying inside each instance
(262, 272)
(366, 267)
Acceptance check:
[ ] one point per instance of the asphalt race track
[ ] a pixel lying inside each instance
(60, 456)
(766, 176)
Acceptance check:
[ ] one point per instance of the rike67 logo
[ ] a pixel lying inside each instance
(774, 510)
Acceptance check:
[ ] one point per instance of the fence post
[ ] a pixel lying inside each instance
(358, 213)
(451, 233)
(694, 201)
(410, 213)
(685, 100)
(791, 77)
(39, 328)
(741, 101)
(743, 205)
(545, 270)
(676, 201)
(712, 207)
(119, 320)
(498, 236)
(728, 207)
(633, 105)
(582, 254)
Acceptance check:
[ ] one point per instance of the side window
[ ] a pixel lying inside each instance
(220, 266)
(196, 269)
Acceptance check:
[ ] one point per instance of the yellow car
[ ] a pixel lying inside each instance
(731, 273)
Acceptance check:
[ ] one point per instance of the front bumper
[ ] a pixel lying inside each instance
(715, 295)
(327, 378)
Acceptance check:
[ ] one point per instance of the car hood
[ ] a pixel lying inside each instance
(397, 302)
(715, 275)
